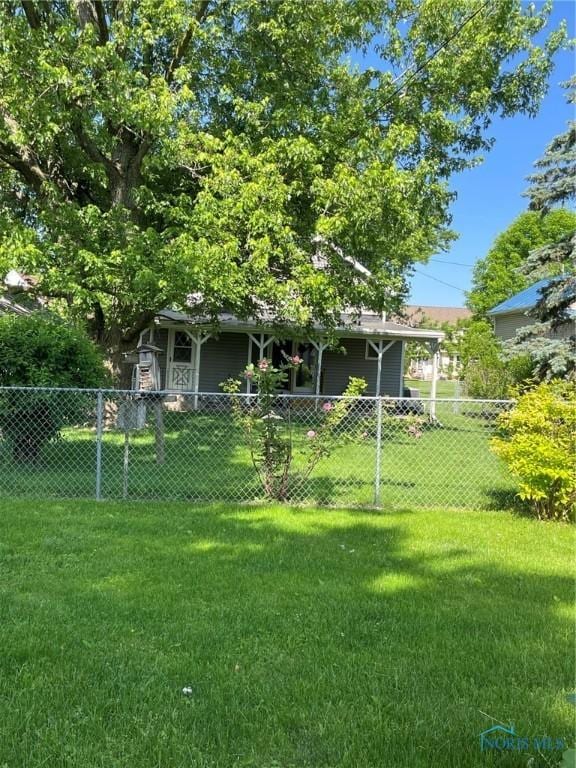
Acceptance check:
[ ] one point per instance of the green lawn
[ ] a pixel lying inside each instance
(444, 387)
(207, 460)
(309, 639)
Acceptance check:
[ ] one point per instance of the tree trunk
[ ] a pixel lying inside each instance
(116, 350)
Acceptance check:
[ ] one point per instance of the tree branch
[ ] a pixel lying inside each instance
(143, 321)
(91, 148)
(182, 46)
(101, 21)
(31, 14)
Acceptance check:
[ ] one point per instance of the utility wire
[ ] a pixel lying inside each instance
(434, 53)
(454, 263)
(437, 279)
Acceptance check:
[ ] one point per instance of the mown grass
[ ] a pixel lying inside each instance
(309, 639)
(444, 387)
(207, 459)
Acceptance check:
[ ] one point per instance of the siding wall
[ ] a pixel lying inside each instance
(222, 358)
(227, 355)
(337, 368)
(161, 340)
(505, 326)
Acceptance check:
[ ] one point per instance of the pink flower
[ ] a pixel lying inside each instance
(310, 433)
(263, 364)
(249, 374)
(327, 407)
(296, 360)
(414, 431)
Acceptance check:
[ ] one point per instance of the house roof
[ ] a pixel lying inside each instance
(416, 313)
(9, 305)
(521, 302)
(366, 325)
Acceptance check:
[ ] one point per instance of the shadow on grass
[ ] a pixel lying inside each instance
(207, 460)
(347, 636)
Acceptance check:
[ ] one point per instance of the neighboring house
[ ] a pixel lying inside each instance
(13, 298)
(417, 315)
(421, 366)
(194, 358)
(512, 314)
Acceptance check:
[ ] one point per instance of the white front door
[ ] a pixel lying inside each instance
(181, 356)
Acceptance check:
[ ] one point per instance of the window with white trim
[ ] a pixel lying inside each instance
(370, 353)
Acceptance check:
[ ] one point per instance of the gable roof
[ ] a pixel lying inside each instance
(523, 301)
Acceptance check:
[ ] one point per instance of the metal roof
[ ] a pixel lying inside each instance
(523, 301)
(367, 325)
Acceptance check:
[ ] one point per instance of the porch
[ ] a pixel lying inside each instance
(194, 358)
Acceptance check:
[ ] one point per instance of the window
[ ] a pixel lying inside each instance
(371, 353)
(182, 347)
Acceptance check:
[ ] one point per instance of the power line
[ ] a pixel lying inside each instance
(454, 263)
(437, 280)
(435, 53)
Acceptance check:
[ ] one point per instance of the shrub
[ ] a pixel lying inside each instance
(36, 351)
(538, 440)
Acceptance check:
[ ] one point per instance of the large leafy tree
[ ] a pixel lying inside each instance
(157, 150)
(498, 276)
(551, 340)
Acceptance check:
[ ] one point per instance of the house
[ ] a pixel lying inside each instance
(14, 299)
(512, 314)
(421, 363)
(193, 357)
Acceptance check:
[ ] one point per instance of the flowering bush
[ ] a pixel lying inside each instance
(269, 433)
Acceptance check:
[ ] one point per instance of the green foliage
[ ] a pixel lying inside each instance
(484, 372)
(268, 428)
(156, 149)
(39, 352)
(538, 442)
(497, 276)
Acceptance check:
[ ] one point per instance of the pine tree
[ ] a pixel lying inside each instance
(550, 346)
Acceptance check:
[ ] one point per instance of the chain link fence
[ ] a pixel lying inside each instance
(389, 452)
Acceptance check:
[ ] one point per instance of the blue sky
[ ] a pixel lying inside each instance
(490, 195)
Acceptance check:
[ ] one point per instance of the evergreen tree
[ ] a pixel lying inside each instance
(552, 349)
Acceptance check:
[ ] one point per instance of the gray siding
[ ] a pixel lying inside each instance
(337, 368)
(222, 358)
(161, 340)
(226, 356)
(505, 326)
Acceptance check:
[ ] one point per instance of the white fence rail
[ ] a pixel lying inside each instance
(381, 452)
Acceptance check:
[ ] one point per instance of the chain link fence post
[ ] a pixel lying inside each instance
(378, 471)
(99, 429)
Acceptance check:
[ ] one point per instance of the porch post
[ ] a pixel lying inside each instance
(199, 340)
(434, 347)
(319, 346)
(250, 342)
(379, 349)
(402, 359)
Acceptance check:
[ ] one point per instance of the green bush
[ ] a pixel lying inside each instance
(36, 351)
(538, 441)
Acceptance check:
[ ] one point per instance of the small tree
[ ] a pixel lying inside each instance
(483, 371)
(269, 433)
(36, 351)
(538, 442)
